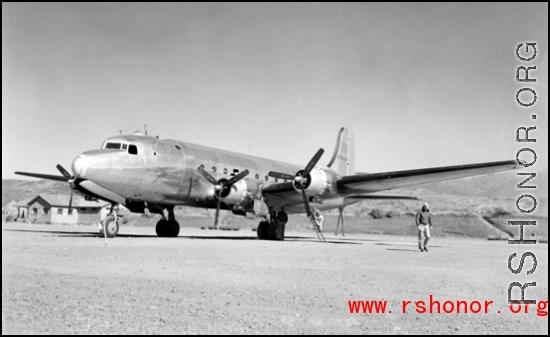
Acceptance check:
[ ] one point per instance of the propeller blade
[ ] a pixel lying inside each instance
(64, 172)
(207, 176)
(306, 203)
(235, 178)
(42, 176)
(217, 216)
(312, 162)
(280, 175)
(71, 201)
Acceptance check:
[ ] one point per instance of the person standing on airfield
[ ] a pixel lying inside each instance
(423, 223)
(282, 219)
(318, 218)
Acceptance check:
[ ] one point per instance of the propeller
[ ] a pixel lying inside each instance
(301, 178)
(221, 187)
(70, 180)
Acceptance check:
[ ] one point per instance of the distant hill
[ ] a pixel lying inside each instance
(21, 189)
(500, 185)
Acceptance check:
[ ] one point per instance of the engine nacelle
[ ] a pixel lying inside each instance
(236, 194)
(317, 183)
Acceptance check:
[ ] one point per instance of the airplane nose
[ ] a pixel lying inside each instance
(79, 167)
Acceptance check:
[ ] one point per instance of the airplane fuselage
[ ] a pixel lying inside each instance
(153, 170)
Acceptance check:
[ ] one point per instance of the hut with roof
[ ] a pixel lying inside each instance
(21, 208)
(54, 209)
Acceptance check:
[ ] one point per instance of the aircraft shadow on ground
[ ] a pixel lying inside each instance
(403, 250)
(67, 234)
(402, 245)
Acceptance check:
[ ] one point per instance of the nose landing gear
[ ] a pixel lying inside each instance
(109, 226)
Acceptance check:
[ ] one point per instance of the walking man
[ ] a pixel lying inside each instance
(423, 223)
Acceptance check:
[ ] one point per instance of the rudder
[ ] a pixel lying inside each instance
(343, 158)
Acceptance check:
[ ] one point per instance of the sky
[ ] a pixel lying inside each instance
(422, 85)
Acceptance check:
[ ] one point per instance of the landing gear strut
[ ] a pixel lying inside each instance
(168, 228)
(340, 219)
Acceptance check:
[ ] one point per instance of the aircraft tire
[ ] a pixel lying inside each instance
(173, 229)
(162, 228)
(262, 231)
(111, 227)
(167, 229)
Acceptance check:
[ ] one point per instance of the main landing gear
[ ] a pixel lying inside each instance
(168, 228)
(274, 228)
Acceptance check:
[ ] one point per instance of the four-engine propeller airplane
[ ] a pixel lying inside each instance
(151, 174)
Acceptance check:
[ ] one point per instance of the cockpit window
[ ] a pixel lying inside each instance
(132, 149)
(113, 146)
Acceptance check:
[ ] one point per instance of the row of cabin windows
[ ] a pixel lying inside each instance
(235, 171)
(132, 149)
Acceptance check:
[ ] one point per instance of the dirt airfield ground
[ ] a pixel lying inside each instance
(62, 279)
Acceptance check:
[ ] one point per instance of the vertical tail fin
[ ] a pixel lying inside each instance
(343, 158)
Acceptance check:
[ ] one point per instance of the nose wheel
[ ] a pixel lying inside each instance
(111, 226)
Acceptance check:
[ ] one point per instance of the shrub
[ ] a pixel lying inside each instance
(376, 213)
(500, 211)
(393, 214)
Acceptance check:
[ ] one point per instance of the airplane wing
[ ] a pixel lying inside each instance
(360, 185)
(369, 183)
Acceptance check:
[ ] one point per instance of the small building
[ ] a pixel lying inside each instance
(54, 209)
(22, 208)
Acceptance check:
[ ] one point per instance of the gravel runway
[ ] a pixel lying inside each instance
(62, 279)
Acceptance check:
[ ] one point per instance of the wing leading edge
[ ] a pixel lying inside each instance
(370, 183)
